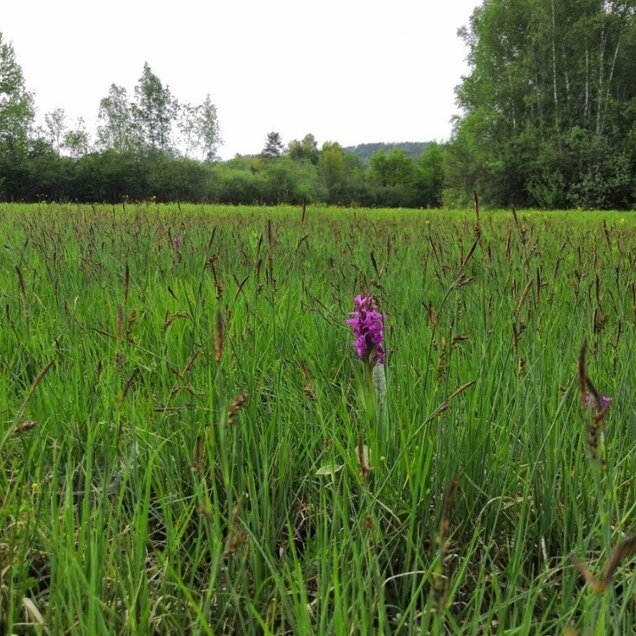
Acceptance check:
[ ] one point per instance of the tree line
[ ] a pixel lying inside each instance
(549, 105)
(149, 144)
(548, 120)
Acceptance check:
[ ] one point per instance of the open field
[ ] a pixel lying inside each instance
(184, 422)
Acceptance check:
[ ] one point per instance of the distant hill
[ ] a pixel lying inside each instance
(413, 149)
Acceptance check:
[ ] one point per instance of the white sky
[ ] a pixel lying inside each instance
(351, 71)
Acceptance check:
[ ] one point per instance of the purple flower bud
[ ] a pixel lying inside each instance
(177, 242)
(367, 325)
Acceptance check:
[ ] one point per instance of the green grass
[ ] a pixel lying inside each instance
(146, 497)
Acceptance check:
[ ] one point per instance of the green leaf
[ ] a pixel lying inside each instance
(329, 469)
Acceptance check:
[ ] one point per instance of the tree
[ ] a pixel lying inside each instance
(116, 129)
(16, 119)
(305, 150)
(392, 178)
(273, 146)
(16, 103)
(392, 168)
(199, 128)
(55, 123)
(413, 149)
(208, 130)
(429, 177)
(341, 174)
(77, 140)
(187, 125)
(333, 170)
(539, 70)
(154, 110)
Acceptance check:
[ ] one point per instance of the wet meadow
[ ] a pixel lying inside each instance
(191, 442)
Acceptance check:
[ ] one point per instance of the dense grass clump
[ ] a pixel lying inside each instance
(190, 444)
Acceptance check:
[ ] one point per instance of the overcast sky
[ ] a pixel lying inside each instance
(351, 71)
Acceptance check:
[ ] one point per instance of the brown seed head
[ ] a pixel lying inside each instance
(219, 336)
(237, 404)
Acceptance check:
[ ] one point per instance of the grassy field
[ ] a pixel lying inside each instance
(189, 443)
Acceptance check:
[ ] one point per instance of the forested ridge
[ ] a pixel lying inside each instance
(548, 119)
(413, 149)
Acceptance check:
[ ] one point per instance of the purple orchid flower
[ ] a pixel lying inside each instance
(367, 324)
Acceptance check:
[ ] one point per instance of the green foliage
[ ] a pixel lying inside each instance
(392, 178)
(16, 119)
(430, 177)
(135, 175)
(207, 130)
(305, 150)
(341, 174)
(414, 149)
(199, 127)
(551, 85)
(598, 178)
(391, 169)
(16, 103)
(550, 91)
(286, 181)
(333, 171)
(154, 111)
(56, 126)
(77, 140)
(116, 129)
(155, 121)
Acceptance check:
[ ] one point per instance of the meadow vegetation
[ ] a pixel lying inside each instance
(189, 443)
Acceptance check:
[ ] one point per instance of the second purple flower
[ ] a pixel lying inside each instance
(589, 402)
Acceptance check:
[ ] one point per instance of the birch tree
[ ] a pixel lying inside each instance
(154, 111)
(551, 82)
(16, 103)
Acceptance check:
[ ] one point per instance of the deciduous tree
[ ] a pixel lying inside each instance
(207, 129)
(154, 111)
(77, 140)
(541, 69)
(55, 123)
(16, 103)
(116, 129)
(305, 150)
